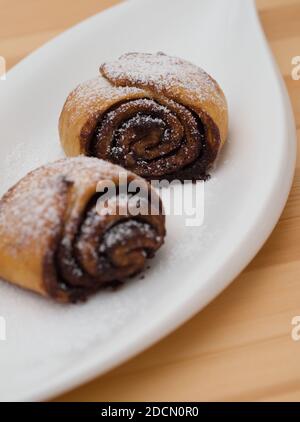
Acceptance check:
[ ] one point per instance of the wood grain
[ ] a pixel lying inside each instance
(240, 346)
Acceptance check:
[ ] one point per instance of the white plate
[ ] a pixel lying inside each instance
(52, 347)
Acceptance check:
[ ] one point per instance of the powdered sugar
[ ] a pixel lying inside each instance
(165, 74)
(120, 233)
(33, 208)
(39, 207)
(29, 211)
(85, 98)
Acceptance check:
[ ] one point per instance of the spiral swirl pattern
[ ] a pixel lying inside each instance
(56, 240)
(156, 115)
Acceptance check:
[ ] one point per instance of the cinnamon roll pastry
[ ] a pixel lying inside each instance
(159, 116)
(56, 239)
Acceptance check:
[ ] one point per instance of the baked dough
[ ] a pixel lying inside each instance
(54, 240)
(156, 115)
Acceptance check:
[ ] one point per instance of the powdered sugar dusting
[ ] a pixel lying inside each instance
(85, 98)
(33, 208)
(166, 74)
(120, 233)
(32, 212)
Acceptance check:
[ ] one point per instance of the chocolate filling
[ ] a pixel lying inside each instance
(156, 140)
(99, 251)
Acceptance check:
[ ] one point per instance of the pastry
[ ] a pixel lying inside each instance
(158, 116)
(55, 240)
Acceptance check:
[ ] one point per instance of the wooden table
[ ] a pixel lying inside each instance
(240, 346)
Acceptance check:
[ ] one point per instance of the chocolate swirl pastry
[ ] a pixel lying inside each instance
(55, 240)
(159, 116)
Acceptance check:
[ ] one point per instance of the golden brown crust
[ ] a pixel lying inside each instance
(51, 233)
(174, 78)
(84, 107)
(93, 120)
